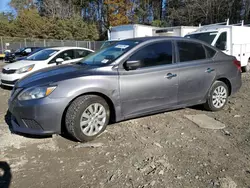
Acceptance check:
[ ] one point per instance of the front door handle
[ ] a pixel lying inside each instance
(209, 70)
(170, 76)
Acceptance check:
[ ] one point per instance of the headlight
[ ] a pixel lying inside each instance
(36, 93)
(25, 69)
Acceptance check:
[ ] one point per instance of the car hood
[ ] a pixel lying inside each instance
(20, 64)
(55, 74)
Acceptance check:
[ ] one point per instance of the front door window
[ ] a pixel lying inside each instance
(221, 42)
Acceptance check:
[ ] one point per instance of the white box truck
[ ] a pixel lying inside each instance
(128, 31)
(231, 39)
(179, 31)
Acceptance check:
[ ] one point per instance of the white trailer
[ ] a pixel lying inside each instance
(180, 31)
(130, 31)
(231, 39)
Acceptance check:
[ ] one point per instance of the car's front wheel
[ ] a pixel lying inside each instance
(217, 97)
(87, 117)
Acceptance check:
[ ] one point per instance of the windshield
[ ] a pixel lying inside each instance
(35, 51)
(207, 37)
(19, 50)
(107, 43)
(111, 53)
(42, 55)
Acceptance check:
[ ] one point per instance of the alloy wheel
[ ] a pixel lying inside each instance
(219, 96)
(93, 119)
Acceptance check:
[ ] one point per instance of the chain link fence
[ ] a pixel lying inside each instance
(13, 43)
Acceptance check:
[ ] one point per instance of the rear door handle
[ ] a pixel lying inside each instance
(209, 70)
(170, 76)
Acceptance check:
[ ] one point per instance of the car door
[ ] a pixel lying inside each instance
(196, 71)
(153, 86)
(67, 55)
(80, 54)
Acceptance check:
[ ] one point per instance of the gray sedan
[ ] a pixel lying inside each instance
(131, 78)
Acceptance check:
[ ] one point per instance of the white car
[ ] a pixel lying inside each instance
(42, 59)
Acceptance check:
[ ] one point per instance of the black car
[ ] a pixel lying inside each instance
(25, 57)
(22, 52)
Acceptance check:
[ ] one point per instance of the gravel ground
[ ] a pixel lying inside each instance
(163, 150)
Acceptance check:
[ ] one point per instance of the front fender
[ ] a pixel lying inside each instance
(107, 85)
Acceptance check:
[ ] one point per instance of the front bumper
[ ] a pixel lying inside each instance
(9, 79)
(9, 58)
(8, 83)
(37, 117)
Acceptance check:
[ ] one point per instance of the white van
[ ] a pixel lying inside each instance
(231, 39)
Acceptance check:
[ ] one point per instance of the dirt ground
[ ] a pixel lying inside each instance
(164, 150)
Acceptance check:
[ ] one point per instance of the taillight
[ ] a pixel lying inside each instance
(237, 64)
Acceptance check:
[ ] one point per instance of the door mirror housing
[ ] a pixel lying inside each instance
(132, 65)
(59, 61)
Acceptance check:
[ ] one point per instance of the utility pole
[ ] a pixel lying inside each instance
(2, 45)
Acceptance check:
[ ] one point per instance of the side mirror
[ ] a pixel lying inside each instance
(132, 65)
(59, 61)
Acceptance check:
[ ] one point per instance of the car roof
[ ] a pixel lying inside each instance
(145, 39)
(68, 48)
(142, 39)
(157, 38)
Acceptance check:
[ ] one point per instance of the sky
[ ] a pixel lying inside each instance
(4, 5)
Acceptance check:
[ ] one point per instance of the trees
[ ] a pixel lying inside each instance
(193, 12)
(56, 8)
(117, 12)
(88, 19)
(4, 23)
(20, 5)
(30, 24)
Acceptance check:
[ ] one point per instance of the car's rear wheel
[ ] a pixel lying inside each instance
(217, 97)
(87, 117)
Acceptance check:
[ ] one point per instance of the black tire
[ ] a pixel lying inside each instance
(209, 104)
(246, 68)
(74, 112)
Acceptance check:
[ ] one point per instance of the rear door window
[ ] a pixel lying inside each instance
(66, 55)
(27, 50)
(154, 54)
(81, 53)
(190, 51)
